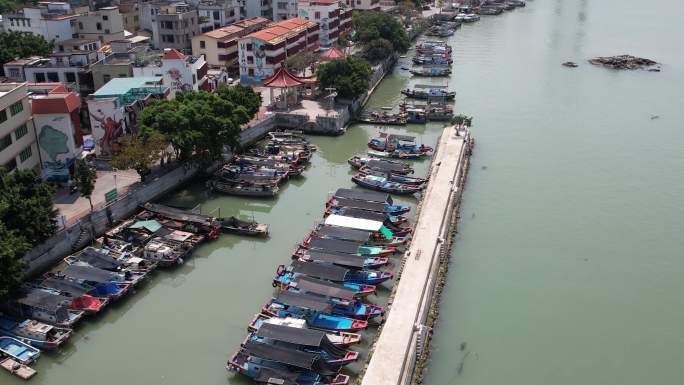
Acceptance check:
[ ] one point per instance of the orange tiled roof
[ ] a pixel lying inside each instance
(173, 54)
(282, 30)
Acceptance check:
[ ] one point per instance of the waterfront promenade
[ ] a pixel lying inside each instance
(395, 352)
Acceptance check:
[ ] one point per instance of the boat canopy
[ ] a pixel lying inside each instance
(344, 233)
(179, 215)
(98, 258)
(43, 300)
(303, 337)
(363, 215)
(152, 226)
(281, 354)
(316, 286)
(320, 270)
(88, 273)
(338, 245)
(369, 196)
(274, 376)
(341, 259)
(384, 165)
(359, 223)
(363, 205)
(397, 137)
(304, 300)
(71, 288)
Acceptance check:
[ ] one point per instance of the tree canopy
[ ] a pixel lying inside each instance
(350, 76)
(27, 217)
(199, 122)
(377, 50)
(85, 178)
(375, 25)
(21, 44)
(140, 153)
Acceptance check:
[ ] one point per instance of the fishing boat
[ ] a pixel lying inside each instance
(190, 221)
(392, 142)
(349, 247)
(431, 71)
(402, 179)
(245, 189)
(340, 339)
(19, 351)
(361, 195)
(383, 118)
(345, 301)
(166, 253)
(290, 169)
(304, 340)
(397, 154)
(103, 283)
(35, 333)
(81, 300)
(237, 226)
(489, 10)
(43, 306)
(390, 224)
(100, 259)
(228, 175)
(432, 60)
(315, 310)
(395, 167)
(334, 273)
(439, 31)
(467, 17)
(338, 203)
(266, 364)
(433, 92)
(340, 259)
(345, 229)
(380, 183)
(292, 280)
(433, 111)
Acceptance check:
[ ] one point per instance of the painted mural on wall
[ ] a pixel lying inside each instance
(177, 82)
(107, 123)
(54, 143)
(259, 59)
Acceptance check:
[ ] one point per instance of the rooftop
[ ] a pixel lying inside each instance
(282, 30)
(6, 88)
(121, 86)
(57, 100)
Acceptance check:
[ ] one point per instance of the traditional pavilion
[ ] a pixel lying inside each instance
(284, 80)
(332, 54)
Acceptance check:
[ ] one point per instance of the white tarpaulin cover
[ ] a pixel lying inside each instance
(353, 223)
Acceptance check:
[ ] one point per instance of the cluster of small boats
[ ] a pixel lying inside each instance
(434, 57)
(42, 313)
(302, 335)
(496, 7)
(260, 171)
(386, 145)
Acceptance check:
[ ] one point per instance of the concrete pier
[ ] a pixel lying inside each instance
(404, 335)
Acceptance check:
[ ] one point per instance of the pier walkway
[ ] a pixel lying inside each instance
(403, 334)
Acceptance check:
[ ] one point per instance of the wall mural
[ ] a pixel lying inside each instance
(177, 80)
(54, 143)
(110, 128)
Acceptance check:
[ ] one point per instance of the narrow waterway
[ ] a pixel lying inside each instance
(566, 269)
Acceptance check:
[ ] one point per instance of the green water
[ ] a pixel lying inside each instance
(566, 268)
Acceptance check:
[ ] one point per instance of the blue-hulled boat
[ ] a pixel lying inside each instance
(305, 340)
(268, 365)
(37, 334)
(338, 203)
(340, 339)
(316, 311)
(380, 183)
(349, 247)
(340, 259)
(393, 166)
(385, 238)
(392, 142)
(284, 279)
(333, 273)
(402, 179)
(19, 351)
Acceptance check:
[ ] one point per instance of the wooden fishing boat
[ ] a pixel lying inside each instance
(396, 154)
(246, 189)
(391, 142)
(284, 279)
(432, 60)
(81, 299)
(392, 166)
(431, 71)
(18, 369)
(338, 203)
(105, 291)
(433, 111)
(341, 339)
(315, 310)
(35, 333)
(340, 259)
(348, 247)
(43, 306)
(303, 340)
(429, 93)
(467, 17)
(237, 226)
(18, 351)
(402, 179)
(383, 118)
(191, 222)
(334, 273)
(166, 252)
(103, 283)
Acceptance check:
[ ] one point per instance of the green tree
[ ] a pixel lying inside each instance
(299, 62)
(21, 44)
(350, 76)
(377, 50)
(85, 178)
(13, 246)
(374, 25)
(201, 123)
(27, 205)
(140, 152)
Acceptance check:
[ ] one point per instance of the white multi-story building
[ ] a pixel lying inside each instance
(366, 5)
(179, 72)
(215, 14)
(275, 10)
(18, 149)
(333, 19)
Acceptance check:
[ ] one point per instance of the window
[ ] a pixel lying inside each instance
(70, 77)
(16, 108)
(53, 76)
(3, 115)
(25, 154)
(14, 73)
(98, 26)
(5, 142)
(250, 59)
(80, 25)
(194, 79)
(203, 44)
(249, 47)
(106, 31)
(61, 48)
(40, 77)
(20, 131)
(216, 15)
(317, 15)
(106, 78)
(105, 17)
(11, 165)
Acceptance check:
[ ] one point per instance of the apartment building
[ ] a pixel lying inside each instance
(174, 26)
(119, 63)
(56, 118)
(52, 21)
(18, 149)
(130, 14)
(261, 53)
(179, 72)
(220, 46)
(275, 10)
(215, 14)
(329, 14)
(105, 24)
(367, 5)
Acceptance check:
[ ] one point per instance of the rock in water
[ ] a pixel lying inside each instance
(622, 62)
(570, 64)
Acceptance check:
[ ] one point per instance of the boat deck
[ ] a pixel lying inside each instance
(17, 369)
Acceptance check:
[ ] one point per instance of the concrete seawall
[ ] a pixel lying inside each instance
(404, 335)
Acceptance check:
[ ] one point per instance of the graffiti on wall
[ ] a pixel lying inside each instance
(108, 124)
(54, 143)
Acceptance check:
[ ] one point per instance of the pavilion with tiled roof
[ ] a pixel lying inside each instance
(284, 80)
(332, 54)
